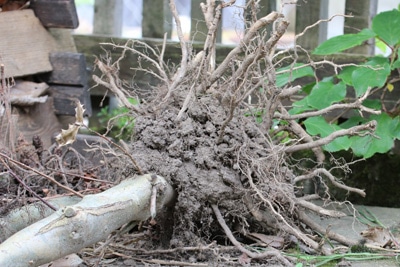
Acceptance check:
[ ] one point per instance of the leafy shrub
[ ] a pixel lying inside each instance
(375, 75)
(117, 123)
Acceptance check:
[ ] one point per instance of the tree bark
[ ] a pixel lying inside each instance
(75, 227)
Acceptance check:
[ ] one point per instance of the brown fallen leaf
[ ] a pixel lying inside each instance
(68, 136)
(378, 236)
(267, 240)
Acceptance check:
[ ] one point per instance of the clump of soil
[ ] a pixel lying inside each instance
(203, 170)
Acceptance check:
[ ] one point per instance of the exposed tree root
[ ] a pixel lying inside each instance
(199, 131)
(220, 152)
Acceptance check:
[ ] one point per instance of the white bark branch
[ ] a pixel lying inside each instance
(75, 227)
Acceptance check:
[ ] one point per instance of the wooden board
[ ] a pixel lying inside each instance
(38, 120)
(65, 99)
(56, 13)
(25, 44)
(68, 69)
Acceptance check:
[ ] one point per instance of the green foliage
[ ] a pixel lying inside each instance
(319, 126)
(343, 42)
(291, 73)
(355, 80)
(121, 121)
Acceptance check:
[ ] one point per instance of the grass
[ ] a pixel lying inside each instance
(332, 260)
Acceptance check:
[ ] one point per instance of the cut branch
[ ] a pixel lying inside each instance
(92, 219)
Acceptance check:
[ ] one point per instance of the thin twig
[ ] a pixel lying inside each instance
(41, 174)
(134, 162)
(27, 187)
(265, 254)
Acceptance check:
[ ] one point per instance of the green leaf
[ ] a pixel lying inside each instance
(346, 73)
(343, 42)
(387, 26)
(318, 126)
(300, 106)
(373, 103)
(288, 75)
(396, 63)
(308, 87)
(325, 93)
(353, 121)
(374, 74)
(381, 142)
(381, 45)
(395, 128)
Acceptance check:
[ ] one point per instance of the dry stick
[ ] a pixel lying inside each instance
(41, 174)
(310, 27)
(27, 187)
(171, 262)
(285, 226)
(357, 104)
(135, 164)
(313, 225)
(161, 56)
(158, 65)
(209, 46)
(165, 251)
(262, 22)
(331, 213)
(355, 130)
(111, 84)
(181, 73)
(249, 61)
(331, 178)
(268, 253)
(303, 135)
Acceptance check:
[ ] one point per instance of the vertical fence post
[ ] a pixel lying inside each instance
(363, 12)
(199, 30)
(157, 19)
(323, 26)
(108, 17)
(306, 15)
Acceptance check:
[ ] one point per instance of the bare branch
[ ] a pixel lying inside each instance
(370, 126)
(333, 180)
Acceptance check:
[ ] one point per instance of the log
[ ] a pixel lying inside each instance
(20, 218)
(91, 220)
(56, 13)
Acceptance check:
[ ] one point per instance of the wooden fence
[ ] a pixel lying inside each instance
(157, 20)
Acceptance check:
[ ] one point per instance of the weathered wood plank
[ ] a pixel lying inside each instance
(25, 44)
(56, 13)
(65, 99)
(38, 120)
(68, 68)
